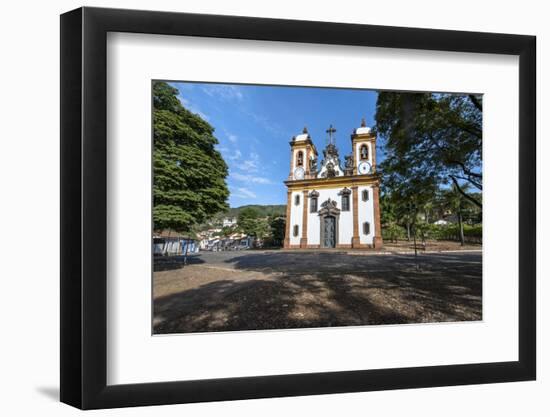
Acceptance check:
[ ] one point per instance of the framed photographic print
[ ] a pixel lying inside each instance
(257, 207)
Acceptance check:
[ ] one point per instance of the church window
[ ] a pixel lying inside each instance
(364, 152)
(366, 228)
(345, 202)
(313, 204)
(296, 229)
(365, 195)
(297, 199)
(300, 159)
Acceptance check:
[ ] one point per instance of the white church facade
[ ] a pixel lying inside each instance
(334, 205)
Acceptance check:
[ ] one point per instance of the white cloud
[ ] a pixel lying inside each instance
(249, 166)
(266, 124)
(244, 193)
(184, 101)
(232, 138)
(183, 86)
(245, 165)
(235, 156)
(225, 92)
(192, 108)
(252, 163)
(250, 178)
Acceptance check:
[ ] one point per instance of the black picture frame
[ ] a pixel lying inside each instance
(84, 207)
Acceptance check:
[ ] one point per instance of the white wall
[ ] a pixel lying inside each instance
(313, 225)
(366, 214)
(296, 216)
(345, 226)
(30, 306)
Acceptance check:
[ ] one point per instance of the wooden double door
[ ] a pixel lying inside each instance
(329, 231)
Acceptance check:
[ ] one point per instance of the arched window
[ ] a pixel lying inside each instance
(313, 199)
(300, 159)
(313, 204)
(297, 199)
(345, 202)
(366, 228)
(364, 152)
(365, 195)
(296, 229)
(345, 193)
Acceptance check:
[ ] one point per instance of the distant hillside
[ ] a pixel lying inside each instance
(263, 210)
(267, 210)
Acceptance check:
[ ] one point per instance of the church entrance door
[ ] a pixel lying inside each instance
(329, 232)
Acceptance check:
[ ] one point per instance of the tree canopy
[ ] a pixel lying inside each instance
(277, 225)
(189, 173)
(430, 140)
(249, 221)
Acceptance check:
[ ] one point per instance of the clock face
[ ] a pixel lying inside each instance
(364, 168)
(299, 173)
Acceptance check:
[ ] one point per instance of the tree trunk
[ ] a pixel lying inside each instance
(185, 254)
(408, 231)
(460, 229)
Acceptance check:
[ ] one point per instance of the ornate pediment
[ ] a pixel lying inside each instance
(330, 167)
(329, 207)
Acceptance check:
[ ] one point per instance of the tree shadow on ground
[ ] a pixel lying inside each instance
(349, 290)
(284, 303)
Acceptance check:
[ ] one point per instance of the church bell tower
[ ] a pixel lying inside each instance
(363, 143)
(303, 157)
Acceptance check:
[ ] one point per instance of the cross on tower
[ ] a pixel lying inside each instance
(330, 132)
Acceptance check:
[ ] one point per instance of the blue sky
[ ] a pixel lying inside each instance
(254, 125)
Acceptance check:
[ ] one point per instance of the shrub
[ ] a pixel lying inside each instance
(472, 233)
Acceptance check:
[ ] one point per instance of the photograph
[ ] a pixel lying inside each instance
(292, 207)
(247, 208)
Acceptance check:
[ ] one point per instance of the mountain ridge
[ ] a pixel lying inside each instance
(264, 210)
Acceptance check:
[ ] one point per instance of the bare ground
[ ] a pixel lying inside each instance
(252, 290)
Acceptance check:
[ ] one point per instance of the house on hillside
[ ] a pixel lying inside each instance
(229, 221)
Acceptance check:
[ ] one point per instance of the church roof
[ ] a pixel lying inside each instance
(301, 137)
(362, 130)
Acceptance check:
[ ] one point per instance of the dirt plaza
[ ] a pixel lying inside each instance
(253, 290)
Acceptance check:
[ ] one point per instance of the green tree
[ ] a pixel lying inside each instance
(432, 138)
(278, 225)
(263, 229)
(227, 231)
(189, 173)
(248, 221)
(404, 194)
(453, 200)
(423, 231)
